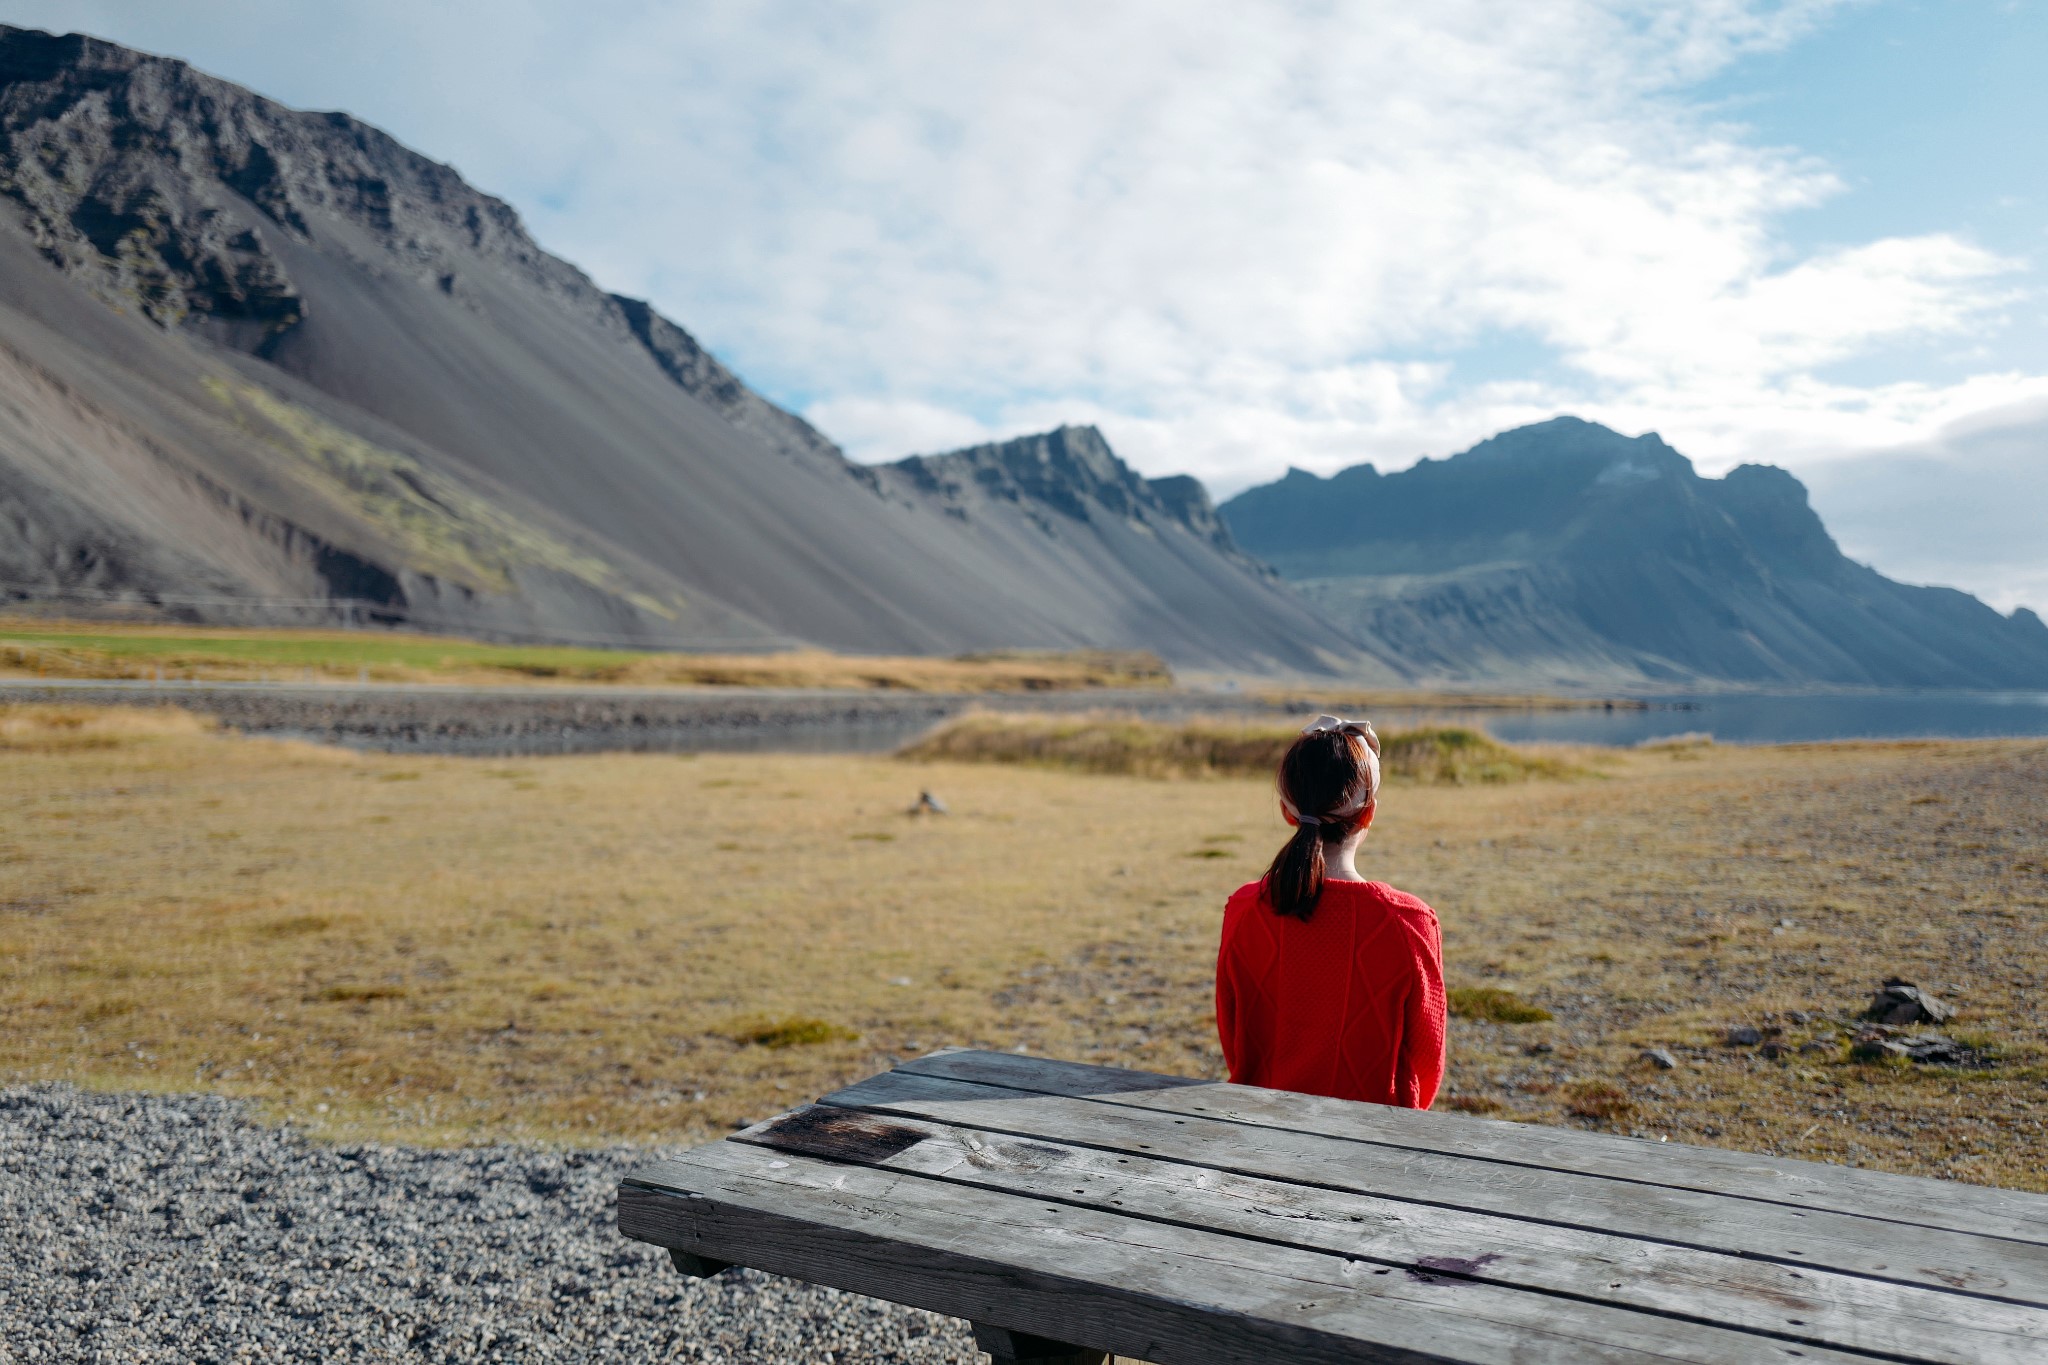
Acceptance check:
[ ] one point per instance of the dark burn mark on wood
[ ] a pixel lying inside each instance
(842, 1134)
(1449, 1268)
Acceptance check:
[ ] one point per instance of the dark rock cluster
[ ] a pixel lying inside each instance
(1890, 1026)
(1898, 1006)
(1929, 1049)
(1899, 1001)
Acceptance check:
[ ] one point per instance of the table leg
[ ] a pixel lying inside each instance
(1006, 1347)
(699, 1267)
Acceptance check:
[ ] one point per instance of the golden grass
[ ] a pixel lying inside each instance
(1602, 1100)
(34, 648)
(589, 949)
(1106, 743)
(47, 728)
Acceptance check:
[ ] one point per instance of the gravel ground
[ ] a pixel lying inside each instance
(178, 1228)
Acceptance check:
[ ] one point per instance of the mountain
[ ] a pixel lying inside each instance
(264, 364)
(1064, 509)
(1566, 553)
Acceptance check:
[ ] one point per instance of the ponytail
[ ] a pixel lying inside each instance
(1294, 883)
(1328, 781)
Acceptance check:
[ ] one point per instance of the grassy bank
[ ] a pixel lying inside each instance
(643, 946)
(33, 649)
(1128, 747)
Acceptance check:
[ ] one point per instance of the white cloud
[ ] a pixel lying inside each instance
(1966, 508)
(1238, 235)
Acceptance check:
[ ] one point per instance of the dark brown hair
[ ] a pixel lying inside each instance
(1323, 771)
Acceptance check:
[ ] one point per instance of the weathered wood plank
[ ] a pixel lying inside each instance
(1943, 1204)
(2007, 1270)
(1174, 1295)
(1812, 1306)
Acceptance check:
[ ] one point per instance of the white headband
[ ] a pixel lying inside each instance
(1361, 729)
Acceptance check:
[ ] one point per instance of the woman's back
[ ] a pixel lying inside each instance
(1348, 1002)
(1325, 982)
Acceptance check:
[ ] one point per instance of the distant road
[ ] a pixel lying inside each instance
(527, 719)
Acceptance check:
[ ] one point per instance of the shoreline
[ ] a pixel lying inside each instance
(505, 720)
(514, 719)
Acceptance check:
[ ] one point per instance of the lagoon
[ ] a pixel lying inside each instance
(1786, 718)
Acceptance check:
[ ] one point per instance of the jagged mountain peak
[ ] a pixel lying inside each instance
(169, 189)
(1564, 448)
(1071, 470)
(1080, 454)
(1567, 551)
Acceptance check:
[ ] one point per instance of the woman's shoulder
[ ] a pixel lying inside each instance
(1391, 898)
(1395, 896)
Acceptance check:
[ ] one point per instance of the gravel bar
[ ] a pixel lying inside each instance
(508, 721)
(180, 1228)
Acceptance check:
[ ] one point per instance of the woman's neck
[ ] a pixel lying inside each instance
(1340, 861)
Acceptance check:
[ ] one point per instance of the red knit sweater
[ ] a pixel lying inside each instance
(1348, 1003)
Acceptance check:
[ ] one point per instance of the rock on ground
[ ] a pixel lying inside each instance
(178, 1228)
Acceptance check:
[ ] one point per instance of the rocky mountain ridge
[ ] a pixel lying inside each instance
(1070, 470)
(263, 360)
(1567, 553)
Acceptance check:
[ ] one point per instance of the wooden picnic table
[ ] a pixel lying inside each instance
(1070, 1210)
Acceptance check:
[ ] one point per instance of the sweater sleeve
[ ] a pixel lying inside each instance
(1423, 1027)
(1226, 1007)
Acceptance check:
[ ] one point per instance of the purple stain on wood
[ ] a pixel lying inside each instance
(1449, 1267)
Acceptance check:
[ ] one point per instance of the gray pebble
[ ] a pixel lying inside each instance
(179, 1228)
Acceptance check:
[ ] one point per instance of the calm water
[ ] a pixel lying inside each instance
(1762, 718)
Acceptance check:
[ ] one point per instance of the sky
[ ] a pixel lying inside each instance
(1240, 235)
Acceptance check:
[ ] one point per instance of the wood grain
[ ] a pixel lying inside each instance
(1186, 1222)
(1176, 1295)
(2011, 1271)
(1941, 1204)
(1812, 1306)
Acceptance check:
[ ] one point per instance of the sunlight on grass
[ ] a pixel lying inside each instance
(649, 947)
(36, 648)
(49, 728)
(792, 1032)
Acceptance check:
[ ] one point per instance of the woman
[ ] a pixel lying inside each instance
(1326, 982)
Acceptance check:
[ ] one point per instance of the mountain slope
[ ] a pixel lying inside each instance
(1564, 552)
(330, 368)
(1063, 506)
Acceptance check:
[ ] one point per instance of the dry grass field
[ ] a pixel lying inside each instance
(33, 647)
(584, 949)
